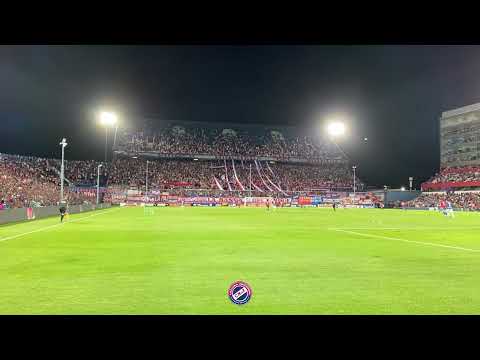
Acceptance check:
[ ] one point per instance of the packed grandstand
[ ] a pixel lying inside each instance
(459, 185)
(186, 161)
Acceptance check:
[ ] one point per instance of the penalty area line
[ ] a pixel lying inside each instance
(55, 225)
(405, 240)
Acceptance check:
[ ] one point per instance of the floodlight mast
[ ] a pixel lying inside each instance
(354, 187)
(146, 181)
(98, 183)
(63, 144)
(108, 119)
(106, 143)
(250, 180)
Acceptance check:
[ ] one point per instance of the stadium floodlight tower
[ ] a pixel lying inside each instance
(108, 119)
(63, 144)
(98, 183)
(354, 168)
(146, 181)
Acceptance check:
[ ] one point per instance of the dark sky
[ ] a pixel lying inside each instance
(393, 95)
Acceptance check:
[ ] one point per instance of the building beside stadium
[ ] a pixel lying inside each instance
(460, 137)
(458, 180)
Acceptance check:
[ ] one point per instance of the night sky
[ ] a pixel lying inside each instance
(393, 95)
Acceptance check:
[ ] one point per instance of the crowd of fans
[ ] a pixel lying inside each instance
(460, 200)
(31, 181)
(228, 142)
(457, 174)
(228, 175)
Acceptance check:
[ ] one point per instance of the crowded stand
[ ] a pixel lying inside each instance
(460, 200)
(30, 181)
(228, 175)
(228, 142)
(448, 184)
(454, 177)
(27, 181)
(245, 161)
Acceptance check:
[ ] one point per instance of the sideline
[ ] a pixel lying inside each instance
(60, 224)
(405, 240)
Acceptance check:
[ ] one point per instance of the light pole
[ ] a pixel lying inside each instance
(354, 188)
(108, 119)
(250, 180)
(63, 144)
(106, 143)
(385, 192)
(146, 180)
(98, 183)
(410, 179)
(115, 136)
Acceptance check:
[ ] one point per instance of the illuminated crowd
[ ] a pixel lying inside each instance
(459, 200)
(455, 174)
(218, 142)
(31, 181)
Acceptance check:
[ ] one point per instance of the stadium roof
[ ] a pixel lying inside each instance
(213, 124)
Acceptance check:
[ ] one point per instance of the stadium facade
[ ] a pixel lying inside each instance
(460, 137)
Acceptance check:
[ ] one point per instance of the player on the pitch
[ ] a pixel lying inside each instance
(449, 210)
(269, 203)
(442, 207)
(334, 206)
(63, 211)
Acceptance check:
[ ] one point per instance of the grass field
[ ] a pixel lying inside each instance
(297, 261)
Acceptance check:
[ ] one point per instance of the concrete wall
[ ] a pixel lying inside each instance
(398, 195)
(22, 214)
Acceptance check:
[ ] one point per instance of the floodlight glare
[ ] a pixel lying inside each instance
(108, 118)
(336, 129)
(402, 188)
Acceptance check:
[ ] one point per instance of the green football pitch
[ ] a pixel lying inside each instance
(297, 261)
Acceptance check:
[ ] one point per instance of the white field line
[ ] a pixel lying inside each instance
(55, 225)
(409, 228)
(408, 241)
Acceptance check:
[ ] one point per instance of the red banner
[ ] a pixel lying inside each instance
(304, 200)
(450, 184)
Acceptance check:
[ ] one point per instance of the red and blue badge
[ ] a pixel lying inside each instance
(240, 293)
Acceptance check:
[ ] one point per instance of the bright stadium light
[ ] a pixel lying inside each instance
(108, 118)
(336, 128)
(402, 188)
